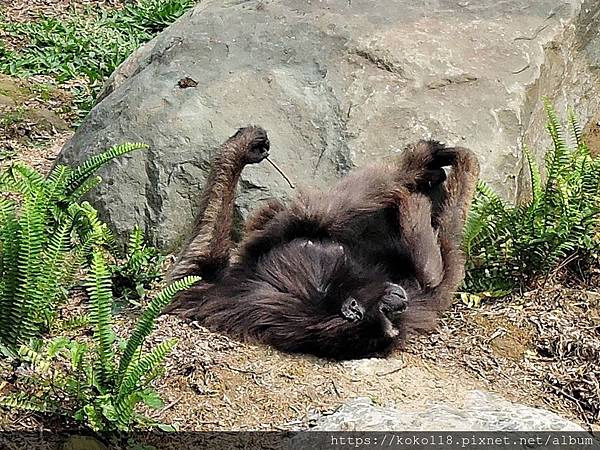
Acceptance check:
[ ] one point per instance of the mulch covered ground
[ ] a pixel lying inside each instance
(547, 339)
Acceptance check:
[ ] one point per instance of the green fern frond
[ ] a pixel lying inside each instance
(155, 372)
(89, 224)
(137, 260)
(93, 416)
(33, 181)
(124, 409)
(484, 190)
(475, 228)
(146, 322)
(134, 379)
(39, 362)
(11, 182)
(558, 156)
(6, 181)
(136, 241)
(53, 264)
(576, 130)
(9, 272)
(56, 182)
(92, 233)
(558, 253)
(99, 291)
(488, 211)
(89, 167)
(73, 323)
(58, 173)
(590, 178)
(32, 237)
(85, 187)
(536, 178)
(24, 402)
(139, 270)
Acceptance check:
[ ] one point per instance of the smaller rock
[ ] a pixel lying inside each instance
(482, 411)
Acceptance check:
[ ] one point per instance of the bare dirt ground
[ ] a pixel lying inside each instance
(34, 122)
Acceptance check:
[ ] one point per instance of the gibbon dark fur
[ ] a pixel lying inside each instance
(346, 273)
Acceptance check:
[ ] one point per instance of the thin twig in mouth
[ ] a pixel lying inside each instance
(282, 174)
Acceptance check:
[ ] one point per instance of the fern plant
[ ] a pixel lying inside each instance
(99, 383)
(46, 235)
(511, 246)
(138, 270)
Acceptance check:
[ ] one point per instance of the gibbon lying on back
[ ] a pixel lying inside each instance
(346, 273)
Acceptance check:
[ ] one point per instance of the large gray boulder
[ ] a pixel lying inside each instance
(336, 83)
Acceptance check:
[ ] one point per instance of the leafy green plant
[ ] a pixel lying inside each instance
(46, 236)
(153, 16)
(140, 268)
(511, 246)
(86, 46)
(90, 382)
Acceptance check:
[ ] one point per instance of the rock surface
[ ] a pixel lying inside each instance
(336, 83)
(482, 411)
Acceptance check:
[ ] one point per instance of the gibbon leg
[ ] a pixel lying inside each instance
(459, 190)
(207, 251)
(418, 238)
(450, 213)
(417, 184)
(450, 206)
(432, 213)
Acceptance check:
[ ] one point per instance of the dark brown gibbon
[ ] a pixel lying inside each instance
(346, 273)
